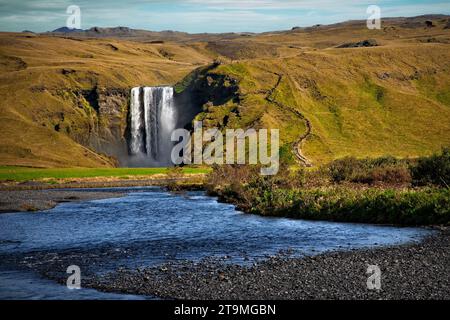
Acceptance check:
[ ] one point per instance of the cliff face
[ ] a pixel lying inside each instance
(113, 110)
(95, 118)
(204, 91)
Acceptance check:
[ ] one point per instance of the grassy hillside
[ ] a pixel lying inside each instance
(46, 84)
(63, 97)
(370, 101)
(363, 102)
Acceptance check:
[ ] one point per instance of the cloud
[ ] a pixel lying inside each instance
(202, 15)
(269, 4)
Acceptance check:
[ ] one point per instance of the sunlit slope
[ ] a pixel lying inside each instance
(46, 118)
(374, 101)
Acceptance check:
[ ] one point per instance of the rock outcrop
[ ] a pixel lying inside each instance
(364, 43)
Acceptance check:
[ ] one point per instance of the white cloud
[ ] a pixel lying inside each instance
(277, 5)
(203, 15)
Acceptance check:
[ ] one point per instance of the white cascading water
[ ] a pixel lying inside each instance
(136, 125)
(152, 120)
(168, 116)
(151, 106)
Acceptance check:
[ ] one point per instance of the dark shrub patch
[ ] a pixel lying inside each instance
(384, 169)
(433, 170)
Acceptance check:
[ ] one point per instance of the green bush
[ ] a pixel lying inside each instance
(307, 195)
(401, 207)
(434, 170)
(385, 169)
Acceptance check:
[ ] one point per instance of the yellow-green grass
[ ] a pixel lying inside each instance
(364, 102)
(11, 173)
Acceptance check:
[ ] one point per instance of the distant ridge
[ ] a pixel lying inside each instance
(67, 30)
(178, 36)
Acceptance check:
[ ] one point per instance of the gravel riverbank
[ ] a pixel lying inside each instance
(34, 200)
(35, 196)
(413, 271)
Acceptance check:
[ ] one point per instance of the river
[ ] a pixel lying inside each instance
(150, 226)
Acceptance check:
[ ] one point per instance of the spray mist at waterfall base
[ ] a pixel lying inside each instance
(142, 161)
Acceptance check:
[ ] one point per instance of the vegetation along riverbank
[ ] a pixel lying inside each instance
(382, 190)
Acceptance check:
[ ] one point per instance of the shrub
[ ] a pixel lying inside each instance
(343, 169)
(433, 170)
(307, 194)
(173, 175)
(383, 169)
(391, 175)
(388, 206)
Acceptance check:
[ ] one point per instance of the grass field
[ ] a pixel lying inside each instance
(8, 173)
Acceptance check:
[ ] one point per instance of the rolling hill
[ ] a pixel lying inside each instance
(332, 90)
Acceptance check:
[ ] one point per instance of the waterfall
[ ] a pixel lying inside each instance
(136, 124)
(167, 117)
(152, 121)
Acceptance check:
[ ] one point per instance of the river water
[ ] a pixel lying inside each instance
(150, 226)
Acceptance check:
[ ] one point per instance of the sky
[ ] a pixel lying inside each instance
(196, 16)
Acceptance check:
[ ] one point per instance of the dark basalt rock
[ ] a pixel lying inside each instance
(364, 43)
(67, 71)
(429, 24)
(112, 47)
